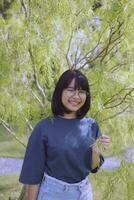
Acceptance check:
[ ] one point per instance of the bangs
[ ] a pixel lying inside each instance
(80, 83)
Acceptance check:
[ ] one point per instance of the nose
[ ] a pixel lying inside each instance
(76, 94)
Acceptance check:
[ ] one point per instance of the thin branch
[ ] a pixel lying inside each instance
(38, 86)
(112, 40)
(85, 57)
(106, 48)
(123, 99)
(36, 97)
(24, 7)
(114, 95)
(112, 99)
(76, 59)
(29, 124)
(114, 68)
(108, 51)
(90, 58)
(68, 49)
(116, 114)
(77, 14)
(106, 62)
(8, 128)
(29, 8)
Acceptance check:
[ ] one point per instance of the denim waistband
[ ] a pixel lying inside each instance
(64, 185)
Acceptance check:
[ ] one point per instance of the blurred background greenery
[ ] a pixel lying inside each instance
(41, 39)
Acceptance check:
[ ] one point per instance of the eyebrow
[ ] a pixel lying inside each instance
(74, 88)
(70, 87)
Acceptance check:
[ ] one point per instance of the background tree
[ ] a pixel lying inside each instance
(40, 40)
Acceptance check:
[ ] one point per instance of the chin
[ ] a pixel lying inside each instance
(73, 109)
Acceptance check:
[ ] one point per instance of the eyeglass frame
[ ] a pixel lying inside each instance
(74, 92)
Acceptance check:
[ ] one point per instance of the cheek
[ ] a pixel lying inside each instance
(63, 98)
(83, 101)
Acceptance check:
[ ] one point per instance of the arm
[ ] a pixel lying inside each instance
(32, 192)
(95, 157)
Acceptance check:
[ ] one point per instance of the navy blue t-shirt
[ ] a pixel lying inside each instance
(60, 147)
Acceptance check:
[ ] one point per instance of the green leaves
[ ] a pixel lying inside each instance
(41, 39)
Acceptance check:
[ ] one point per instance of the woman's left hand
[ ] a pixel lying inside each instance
(105, 141)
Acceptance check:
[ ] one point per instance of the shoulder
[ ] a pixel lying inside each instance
(92, 122)
(40, 127)
(44, 122)
(89, 120)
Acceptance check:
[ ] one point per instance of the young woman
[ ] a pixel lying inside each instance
(62, 150)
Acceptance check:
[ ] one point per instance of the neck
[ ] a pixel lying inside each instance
(69, 116)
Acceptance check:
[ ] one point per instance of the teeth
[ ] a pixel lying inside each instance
(73, 102)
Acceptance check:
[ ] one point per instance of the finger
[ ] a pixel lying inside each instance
(106, 144)
(104, 136)
(105, 141)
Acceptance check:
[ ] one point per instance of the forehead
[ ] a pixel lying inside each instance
(72, 83)
(75, 84)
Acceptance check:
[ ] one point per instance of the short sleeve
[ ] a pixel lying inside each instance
(34, 159)
(96, 129)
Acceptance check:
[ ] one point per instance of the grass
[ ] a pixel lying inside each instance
(9, 147)
(118, 184)
(9, 187)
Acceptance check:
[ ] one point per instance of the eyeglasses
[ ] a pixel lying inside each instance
(71, 91)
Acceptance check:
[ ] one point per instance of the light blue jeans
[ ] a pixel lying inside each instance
(54, 189)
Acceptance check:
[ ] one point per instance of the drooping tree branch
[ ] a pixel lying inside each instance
(122, 100)
(112, 98)
(10, 131)
(36, 97)
(105, 49)
(76, 59)
(29, 9)
(116, 114)
(29, 124)
(102, 50)
(84, 60)
(117, 67)
(24, 8)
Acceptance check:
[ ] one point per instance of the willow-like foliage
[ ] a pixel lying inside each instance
(39, 40)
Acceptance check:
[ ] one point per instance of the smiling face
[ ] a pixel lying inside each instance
(73, 99)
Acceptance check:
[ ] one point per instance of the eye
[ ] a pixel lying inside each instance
(70, 89)
(82, 91)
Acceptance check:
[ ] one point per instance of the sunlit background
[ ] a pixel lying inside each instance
(41, 39)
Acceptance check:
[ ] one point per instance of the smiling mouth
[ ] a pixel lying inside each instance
(74, 103)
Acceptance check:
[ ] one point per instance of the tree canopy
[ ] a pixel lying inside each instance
(41, 39)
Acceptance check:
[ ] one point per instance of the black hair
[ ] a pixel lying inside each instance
(65, 79)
